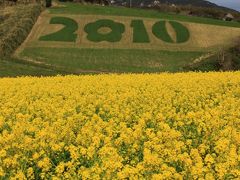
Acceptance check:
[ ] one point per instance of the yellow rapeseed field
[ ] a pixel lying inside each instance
(160, 126)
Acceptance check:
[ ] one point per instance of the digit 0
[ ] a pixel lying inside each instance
(115, 34)
(159, 29)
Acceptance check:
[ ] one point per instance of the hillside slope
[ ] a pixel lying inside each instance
(147, 40)
(84, 52)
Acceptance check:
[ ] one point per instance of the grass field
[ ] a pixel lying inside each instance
(60, 41)
(13, 68)
(114, 60)
(198, 39)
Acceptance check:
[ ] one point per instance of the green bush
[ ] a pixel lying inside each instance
(16, 28)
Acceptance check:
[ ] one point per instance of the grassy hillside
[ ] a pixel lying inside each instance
(13, 68)
(148, 41)
(114, 60)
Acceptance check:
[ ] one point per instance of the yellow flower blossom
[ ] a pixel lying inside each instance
(44, 164)
(222, 145)
(136, 126)
(3, 153)
(60, 168)
(30, 173)
(1, 172)
(209, 159)
(19, 175)
(1, 122)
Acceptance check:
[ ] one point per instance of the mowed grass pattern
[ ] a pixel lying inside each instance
(112, 60)
(182, 32)
(66, 34)
(199, 38)
(84, 56)
(160, 31)
(115, 34)
(140, 34)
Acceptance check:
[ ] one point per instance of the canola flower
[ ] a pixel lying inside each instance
(160, 126)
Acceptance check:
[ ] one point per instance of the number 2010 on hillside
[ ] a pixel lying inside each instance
(116, 30)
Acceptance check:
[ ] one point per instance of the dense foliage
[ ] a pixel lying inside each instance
(118, 126)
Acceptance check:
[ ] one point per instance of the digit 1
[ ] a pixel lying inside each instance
(140, 34)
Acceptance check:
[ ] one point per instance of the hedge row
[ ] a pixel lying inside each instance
(16, 28)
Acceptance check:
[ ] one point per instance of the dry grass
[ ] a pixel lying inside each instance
(171, 31)
(104, 30)
(8, 10)
(212, 36)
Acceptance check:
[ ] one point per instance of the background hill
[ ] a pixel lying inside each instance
(151, 3)
(199, 8)
(201, 3)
